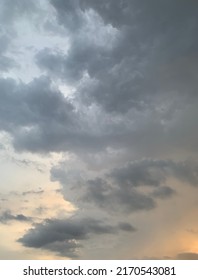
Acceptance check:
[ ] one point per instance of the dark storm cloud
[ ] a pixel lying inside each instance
(180, 256)
(129, 12)
(38, 117)
(132, 66)
(7, 216)
(129, 67)
(152, 37)
(63, 236)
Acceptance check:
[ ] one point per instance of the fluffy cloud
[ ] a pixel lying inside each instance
(136, 186)
(63, 236)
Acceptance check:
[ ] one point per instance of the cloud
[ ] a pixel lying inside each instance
(187, 256)
(4, 43)
(126, 227)
(35, 112)
(135, 186)
(40, 119)
(120, 75)
(150, 172)
(6, 62)
(68, 13)
(119, 93)
(109, 197)
(140, 173)
(11, 11)
(129, 75)
(32, 192)
(6, 217)
(63, 236)
(192, 231)
(163, 192)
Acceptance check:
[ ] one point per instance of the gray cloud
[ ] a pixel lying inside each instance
(7, 217)
(34, 113)
(10, 10)
(6, 62)
(142, 79)
(68, 13)
(4, 43)
(109, 197)
(163, 192)
(40, 119)
(129, 75)
(151, 172)
(129, 122)
(134, 187)
(125, 72)
(187, 256)
(63, 236)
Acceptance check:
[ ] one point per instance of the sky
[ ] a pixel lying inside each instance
(98, 129)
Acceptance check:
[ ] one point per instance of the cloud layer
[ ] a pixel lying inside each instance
(109, 88)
